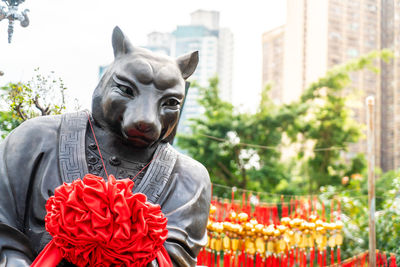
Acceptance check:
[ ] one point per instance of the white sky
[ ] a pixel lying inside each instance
(73, 38)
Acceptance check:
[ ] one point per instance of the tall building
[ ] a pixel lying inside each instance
(215, 46)
(190, 38)
(225, 63)
(390, 86)
(207, 18)
(159, 42)
(272, 61)
(322, 33)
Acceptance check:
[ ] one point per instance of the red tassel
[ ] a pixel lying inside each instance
(283, 260)
(324, 263)
(275, 218)
(232, 197)
(332, 257)
(257, 260)
(378, 259)
(339, 261)
(319, 260)
(363, 257)
(241, 259)
(384, 260)
(200, 257)
(248, 209)
(199, 262)
(225, 260)
(268, 215)
(243, 201)
(392, 261)
(291, 207)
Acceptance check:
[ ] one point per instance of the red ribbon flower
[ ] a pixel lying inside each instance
(98, 223)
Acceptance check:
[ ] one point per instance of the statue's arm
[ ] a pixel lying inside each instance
(20, 155)
(14, 246)
(187, 207)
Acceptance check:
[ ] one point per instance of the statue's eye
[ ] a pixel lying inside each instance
(125, 89)
(172, 102)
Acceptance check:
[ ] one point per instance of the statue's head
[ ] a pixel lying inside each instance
(140, 95)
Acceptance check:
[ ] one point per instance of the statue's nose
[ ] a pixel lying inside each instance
(144, 126)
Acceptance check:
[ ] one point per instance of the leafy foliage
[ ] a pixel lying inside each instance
(355, 210)
(322, 120)
(219, 140)
(43, 95)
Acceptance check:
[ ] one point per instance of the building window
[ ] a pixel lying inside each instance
(352, 52)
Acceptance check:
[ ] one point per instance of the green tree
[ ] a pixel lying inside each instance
(322, 120)
(42, 95)
(355, 213)
(225, 141)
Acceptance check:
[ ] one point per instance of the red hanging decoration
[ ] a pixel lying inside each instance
(392, 261)
(233, 259)
(243, 201)
(319, 260)
(384, 260)
(232, 198)
(291, 207)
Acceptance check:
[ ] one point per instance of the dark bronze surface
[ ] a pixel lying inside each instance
(135, 110)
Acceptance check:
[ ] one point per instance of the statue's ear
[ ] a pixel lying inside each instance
(120, 43)
(188, 63)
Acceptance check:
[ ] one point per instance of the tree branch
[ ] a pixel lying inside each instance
(44, 111)
(225, 170)
(223, 176)
(20, 112)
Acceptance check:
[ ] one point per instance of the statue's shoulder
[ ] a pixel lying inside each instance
(191, 169)
(35, 129)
